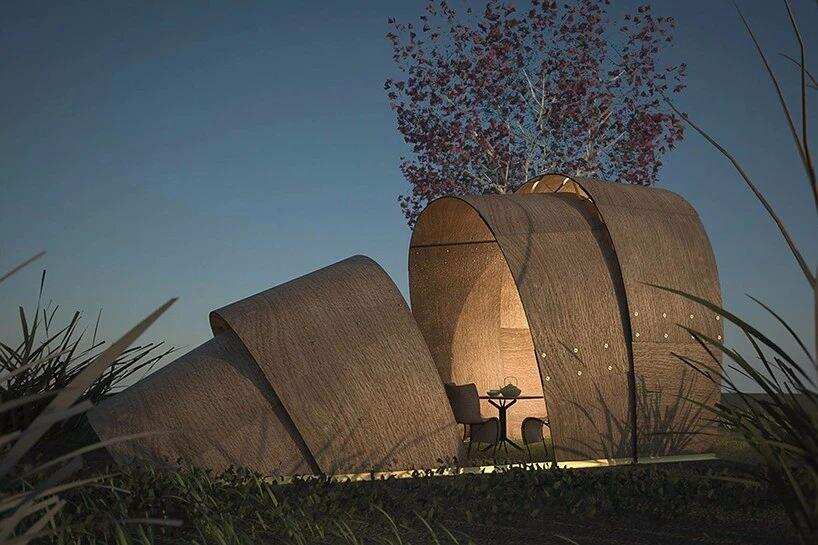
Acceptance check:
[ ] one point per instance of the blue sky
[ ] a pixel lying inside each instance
(157, 150)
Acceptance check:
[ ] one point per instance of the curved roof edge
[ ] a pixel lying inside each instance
(674, 252)
(342, 351)
(543, 241)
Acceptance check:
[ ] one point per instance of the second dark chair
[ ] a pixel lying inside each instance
(465, 402)
(532, 432)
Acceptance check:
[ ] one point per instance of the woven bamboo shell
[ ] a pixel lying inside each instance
(342, 382)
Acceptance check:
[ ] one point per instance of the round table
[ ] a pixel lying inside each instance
(502, 404)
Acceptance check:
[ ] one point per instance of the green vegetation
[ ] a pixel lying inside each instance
(239, 507)
(48, 356)
(30, 485)
(780, 427)
(772, 495)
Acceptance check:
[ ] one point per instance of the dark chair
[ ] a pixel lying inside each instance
(465, 403)
(532, 432)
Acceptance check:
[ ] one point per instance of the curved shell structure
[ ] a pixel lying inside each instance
(327, 373)
(550, 287)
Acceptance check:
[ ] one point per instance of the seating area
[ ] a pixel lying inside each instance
(466, 408)
(551, 284)
(492, 432)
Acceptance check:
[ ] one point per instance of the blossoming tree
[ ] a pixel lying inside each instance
(486, 101)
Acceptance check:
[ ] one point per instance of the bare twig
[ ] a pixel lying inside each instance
(21, 265)
(814, 84)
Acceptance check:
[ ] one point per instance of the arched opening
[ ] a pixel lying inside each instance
(466, 302)
(523, 286)
(553, 183)
(668, 400)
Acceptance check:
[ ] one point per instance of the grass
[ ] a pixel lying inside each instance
(780, 426)
(239, 507)
(704, 503)
(48, 355)
(30, 486)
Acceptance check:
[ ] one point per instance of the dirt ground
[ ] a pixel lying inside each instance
(601, 532)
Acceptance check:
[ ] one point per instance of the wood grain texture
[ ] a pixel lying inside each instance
(459, 317)
(345, 357)
(566, 284)
(477, 317)
(667, 423)
(212, 407)
(517, 355)
(658, 238)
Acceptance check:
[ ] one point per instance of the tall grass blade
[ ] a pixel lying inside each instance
(19, 402)
(799, 145)
(22, 265)
(759, 195)
(432, 533)
(21, 502)
(808, 166)
(76, 388)
(89, 448)
(813, 84)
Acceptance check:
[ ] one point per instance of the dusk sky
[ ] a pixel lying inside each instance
(211, 151)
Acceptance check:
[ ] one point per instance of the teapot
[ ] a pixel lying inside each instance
(510, 389)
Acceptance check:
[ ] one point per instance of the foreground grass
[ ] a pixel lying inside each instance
(239, 507)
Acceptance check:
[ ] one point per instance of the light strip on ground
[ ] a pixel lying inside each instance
(500, 468)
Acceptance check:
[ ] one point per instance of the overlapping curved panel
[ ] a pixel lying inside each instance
(327, 374)
(212, 407)
(330, 372)
(566, 279)
(659, 239)
(345, 357)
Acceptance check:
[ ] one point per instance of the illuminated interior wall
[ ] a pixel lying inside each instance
(470, 338)
(551, 263)
(517, 357)
(473, 320)
(475, 325)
